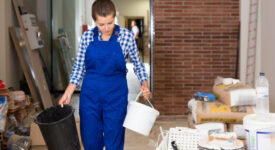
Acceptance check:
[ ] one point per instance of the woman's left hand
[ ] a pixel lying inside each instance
(145, 90)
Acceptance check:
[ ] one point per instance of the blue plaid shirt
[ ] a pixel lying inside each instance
(129, 49)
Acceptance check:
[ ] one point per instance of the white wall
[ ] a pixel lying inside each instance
(10, 70)
(2, 41)
(88, 13)
(79, 21)
(268, 47)
(265, 53)
(244, 17)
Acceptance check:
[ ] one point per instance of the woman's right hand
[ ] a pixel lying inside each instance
(66, 97)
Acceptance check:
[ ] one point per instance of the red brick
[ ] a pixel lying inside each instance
(196, 40)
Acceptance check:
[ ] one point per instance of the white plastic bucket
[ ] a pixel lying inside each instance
(260, 131)
(140, 118)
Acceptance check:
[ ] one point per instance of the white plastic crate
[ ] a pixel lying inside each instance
(185, 138)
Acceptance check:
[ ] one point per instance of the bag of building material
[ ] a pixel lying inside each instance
(203, 112)
(235, 94)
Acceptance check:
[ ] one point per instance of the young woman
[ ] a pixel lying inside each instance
(101, 58)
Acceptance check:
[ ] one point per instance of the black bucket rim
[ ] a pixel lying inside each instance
(56, 122)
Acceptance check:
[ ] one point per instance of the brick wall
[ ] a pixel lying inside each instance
(195, 41)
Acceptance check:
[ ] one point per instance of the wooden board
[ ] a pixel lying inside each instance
(35, 62)
(24, 60)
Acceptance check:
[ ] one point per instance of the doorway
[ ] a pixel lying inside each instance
(140, 24)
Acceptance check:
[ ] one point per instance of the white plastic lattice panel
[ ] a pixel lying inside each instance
(185, 138)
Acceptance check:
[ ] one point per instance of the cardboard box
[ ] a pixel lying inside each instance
(244, 143)
(218, 112)
(39, 147)
(37, 141)
(4, 92)
(235, 94)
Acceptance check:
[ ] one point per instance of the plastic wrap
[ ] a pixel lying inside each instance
(3, 112)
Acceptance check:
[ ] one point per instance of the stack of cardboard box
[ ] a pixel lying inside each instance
(233, 102)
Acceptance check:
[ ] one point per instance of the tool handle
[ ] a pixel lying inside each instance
(174, 145)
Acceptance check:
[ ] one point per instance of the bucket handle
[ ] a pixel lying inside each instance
(147, 100)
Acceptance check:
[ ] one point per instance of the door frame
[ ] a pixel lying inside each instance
(151, 48)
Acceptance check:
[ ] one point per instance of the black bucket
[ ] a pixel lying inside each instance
(58, 128)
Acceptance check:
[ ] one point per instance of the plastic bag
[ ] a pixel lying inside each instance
(3, 112)
(17, 142)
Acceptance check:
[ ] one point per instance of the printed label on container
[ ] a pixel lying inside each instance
(265, 140)
(262, 92)
(224, 120)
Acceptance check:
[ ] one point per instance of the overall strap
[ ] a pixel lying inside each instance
(115, 33)
(95, 36)
(116, 30)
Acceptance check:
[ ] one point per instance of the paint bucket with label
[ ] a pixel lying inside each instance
(260, 131)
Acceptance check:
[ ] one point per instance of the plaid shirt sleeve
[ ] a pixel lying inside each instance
(139, 68)
(79, 70)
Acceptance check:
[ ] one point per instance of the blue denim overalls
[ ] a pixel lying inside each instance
(103, 97)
